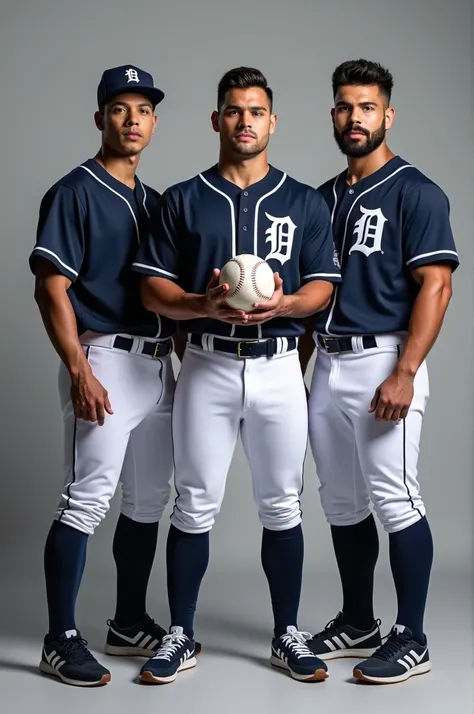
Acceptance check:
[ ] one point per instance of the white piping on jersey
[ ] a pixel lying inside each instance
(158, 317)
(144, 197)
(335, 199)
(46, 250)
(117, 194)
(371, 188)
(428, 255)
(321, 275)
(232, 221)
(232, 212)
(157, 270)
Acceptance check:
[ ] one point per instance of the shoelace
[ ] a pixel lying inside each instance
(170, 645)
(393, 643)
(158, 630)
(331, 628)
(75, 648)
(296, 642)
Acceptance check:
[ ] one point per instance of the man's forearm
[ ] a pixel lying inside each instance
(168, 299)
(312, 297)
(60, 324)
(426, 320)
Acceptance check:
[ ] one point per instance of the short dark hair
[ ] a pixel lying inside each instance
(362, 72)
(242, 78)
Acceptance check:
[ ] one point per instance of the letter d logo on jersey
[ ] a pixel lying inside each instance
(280, 235)
(369, 229)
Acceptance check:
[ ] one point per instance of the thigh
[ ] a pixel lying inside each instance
(93, 454)
(343, 491)
(389, 451)
(274, 436)
(148, 465)
(206, 416)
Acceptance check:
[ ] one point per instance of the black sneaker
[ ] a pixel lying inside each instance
(69, 659)
(399, 658)
(140, 640)
(341, 640)
(176, 653)
(290, 651)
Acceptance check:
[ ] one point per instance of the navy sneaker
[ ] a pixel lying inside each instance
(339, 639)
(291, 652)
(140, 640)
(68, 658)
(399, 658)
(176, 653)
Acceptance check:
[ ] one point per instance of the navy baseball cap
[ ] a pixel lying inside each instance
(128, 78)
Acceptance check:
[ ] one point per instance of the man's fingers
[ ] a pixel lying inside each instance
(214, 281)
(220, 291)
(100, 413)
(278, 281)
(107, 404)
(404, 412)
(92, 413)
(374, 402)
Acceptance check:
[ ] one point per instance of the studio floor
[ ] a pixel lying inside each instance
(233, 674)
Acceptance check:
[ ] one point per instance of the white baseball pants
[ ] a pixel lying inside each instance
(360, 459)
(219, 396)
(133, 446)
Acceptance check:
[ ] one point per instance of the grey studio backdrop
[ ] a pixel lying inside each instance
(52, 54)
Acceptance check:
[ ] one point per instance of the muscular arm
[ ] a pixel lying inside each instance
(393, 397)
(89, 397)
(427, 315)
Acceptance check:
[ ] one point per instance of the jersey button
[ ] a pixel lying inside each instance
(351, 191)
(244, 228)
(341, 215)
(245, 210)
(246, 193)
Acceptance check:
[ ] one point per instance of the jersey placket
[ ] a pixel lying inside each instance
(245, 218)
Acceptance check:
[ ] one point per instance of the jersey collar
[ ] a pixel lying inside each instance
(114, 184)
(395, 163)
(266, 184)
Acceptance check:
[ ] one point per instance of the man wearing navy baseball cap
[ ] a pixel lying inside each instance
(116, 379)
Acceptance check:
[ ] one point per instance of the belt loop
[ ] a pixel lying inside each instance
(210, 342)
(357, 344)
(137, 345)
(284, 344)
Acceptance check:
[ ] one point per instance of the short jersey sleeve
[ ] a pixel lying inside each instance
(318, 259)
(427, 233)
(60, 231)
(158, 252)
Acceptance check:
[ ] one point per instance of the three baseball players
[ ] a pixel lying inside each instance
(381, 224)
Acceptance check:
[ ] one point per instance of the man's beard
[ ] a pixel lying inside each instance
(248, 151)
(357, 148)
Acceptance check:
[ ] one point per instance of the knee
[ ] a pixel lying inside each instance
(148, 509)
(397, 515)
(280, 516)
(83, 518)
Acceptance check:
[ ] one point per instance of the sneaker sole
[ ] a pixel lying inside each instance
(360, 654)
(150, 678)
(419, 669)
(119, 651)
(318, 675)
(47, 669)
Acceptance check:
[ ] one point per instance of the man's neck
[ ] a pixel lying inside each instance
(246, 172)
(122, 168)
(357, 169)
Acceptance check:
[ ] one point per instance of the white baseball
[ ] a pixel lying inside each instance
(250, 280)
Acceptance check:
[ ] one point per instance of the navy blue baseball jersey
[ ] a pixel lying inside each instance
(207, 220)
(384, 226)
(90, 226)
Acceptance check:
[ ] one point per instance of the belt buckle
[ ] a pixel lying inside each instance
(244, 342)
(327, 348)
(156, 350)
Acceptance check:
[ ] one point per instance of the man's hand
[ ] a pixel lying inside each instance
(269, 309)
(393, 397)
(215, 305)
(89, 398)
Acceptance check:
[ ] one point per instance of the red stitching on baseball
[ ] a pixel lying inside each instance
(258, 292)
(241, 279)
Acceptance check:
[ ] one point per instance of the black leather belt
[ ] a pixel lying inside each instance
(152, 349)
(246, 348)
(335, 345)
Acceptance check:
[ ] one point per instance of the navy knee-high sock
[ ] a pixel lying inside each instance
(282, 560)
(187, 557)
(357, 549)
(64, 561)
(134, 548)
(411, 558)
